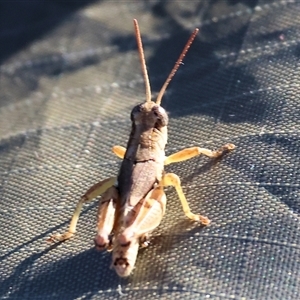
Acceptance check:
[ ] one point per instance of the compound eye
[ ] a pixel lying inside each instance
(158, 111)
(161, 115)
(137, 109)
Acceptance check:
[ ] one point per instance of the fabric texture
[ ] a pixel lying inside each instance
(69, 77)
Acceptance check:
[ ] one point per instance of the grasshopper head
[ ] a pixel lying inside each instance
(150, 114)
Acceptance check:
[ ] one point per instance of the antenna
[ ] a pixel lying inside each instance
(142, 59)
(176, 66)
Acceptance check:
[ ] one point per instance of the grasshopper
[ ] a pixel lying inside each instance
(134, 202)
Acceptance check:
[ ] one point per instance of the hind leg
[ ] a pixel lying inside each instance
(145, 216)
(106, 218)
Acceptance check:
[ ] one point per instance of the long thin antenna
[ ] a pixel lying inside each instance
(142, 59)
(176, 66)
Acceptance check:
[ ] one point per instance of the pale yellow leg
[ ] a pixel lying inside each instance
(194, 151)
(96, 190)
(174, 180)
(119, 151)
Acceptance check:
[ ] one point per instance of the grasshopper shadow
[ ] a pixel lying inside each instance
(84, 273)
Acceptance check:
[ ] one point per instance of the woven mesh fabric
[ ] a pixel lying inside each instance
(70, 75)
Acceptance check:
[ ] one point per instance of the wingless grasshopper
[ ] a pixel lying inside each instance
(134, 202)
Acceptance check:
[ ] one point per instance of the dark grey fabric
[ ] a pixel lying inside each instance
(69, 77)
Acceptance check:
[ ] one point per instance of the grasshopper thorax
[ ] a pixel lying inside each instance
(150, 114)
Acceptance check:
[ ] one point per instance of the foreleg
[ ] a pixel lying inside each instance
(119, 151)
(194, 151)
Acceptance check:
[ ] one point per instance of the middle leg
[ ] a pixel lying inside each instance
(96, 190)
(174, 180)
